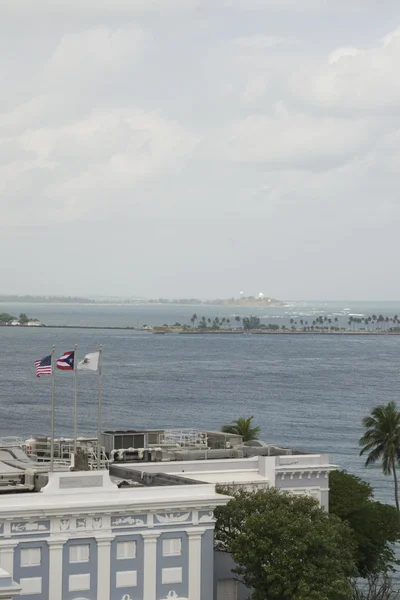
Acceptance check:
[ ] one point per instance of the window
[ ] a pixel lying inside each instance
(79, 553)
(31, 557)
(30, 585)
(172, 547)
(126, 550)
(78, 583)
(172, 575)
(126, 579)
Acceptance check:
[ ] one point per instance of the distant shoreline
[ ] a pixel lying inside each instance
(210, 331)
(249, 302)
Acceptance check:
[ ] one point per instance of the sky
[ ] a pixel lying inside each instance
(197, 148)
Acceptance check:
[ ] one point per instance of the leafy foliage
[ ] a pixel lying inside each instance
(286, 547)
(242, 427)
(5, 318)
(375, 525)
(381, 441)
(251, 322)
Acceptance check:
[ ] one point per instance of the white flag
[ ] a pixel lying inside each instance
(90, 362)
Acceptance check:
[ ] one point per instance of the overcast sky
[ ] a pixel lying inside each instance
(200, 147)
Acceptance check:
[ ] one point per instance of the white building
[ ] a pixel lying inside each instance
(79, 536)
(299, 474)
(83, 538)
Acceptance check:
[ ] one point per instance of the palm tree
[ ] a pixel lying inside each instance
(242, 427)
(382, 441)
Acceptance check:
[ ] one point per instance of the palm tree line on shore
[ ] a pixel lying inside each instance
(321, 323)
(215, 323)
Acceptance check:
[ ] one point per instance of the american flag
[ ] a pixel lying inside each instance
(43, 367)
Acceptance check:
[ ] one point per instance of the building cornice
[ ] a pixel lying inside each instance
(111, 509)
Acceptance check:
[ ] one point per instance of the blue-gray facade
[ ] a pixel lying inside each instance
(41, 570)
(127, 564)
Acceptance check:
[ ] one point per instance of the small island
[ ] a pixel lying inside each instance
(260, 301)
(9, 320)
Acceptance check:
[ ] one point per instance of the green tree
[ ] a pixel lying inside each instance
(286, 547)
(375, 525)
(242, 427)
(5, 318)
(381, 441)
(203, 323)
(251, 322)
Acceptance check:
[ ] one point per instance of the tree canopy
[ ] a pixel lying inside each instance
(375, 526)
(251, 322)
(242, 427)
(286, 547)
(6, 318)
(381, 441)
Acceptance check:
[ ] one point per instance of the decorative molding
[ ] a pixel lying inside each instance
(65, 524)
(172, 595)
(206, 517)
(97, 522)
(81, 523)
(25, 527)
(129, 520)
(166, 519)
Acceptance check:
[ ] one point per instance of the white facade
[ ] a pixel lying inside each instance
(83, 538)
(306, 474)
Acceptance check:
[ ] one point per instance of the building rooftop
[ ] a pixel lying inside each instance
(95, 489)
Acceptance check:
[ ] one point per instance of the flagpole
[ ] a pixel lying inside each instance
(53, 387)
(99, 408)
(75, 399)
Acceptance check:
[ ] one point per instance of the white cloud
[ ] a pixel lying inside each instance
(286, 139)
(187, 119)
(105, 151)
(94, 50)
(356, 79)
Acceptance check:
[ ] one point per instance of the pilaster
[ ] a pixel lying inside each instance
(194, 536)
(150, 565)
(7, 556)
(103, 567)
(55, 568)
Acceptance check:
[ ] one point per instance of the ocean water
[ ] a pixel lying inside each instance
(306, 392)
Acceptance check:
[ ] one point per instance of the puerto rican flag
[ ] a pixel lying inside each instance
(66, 361)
